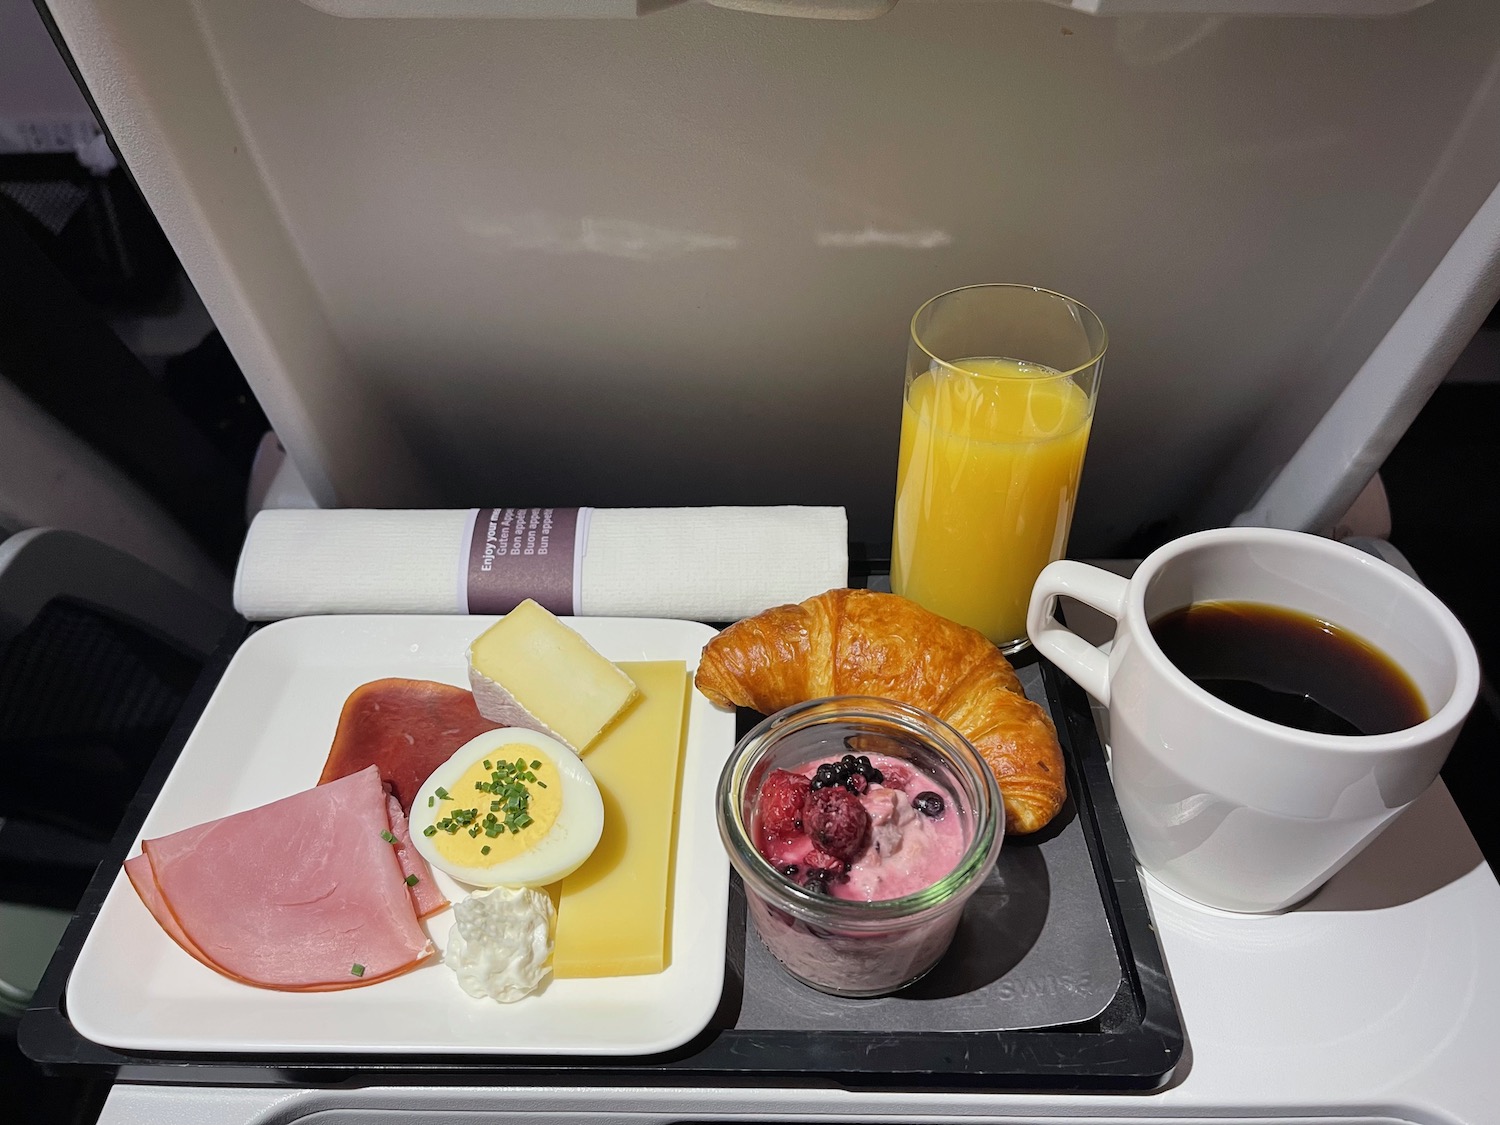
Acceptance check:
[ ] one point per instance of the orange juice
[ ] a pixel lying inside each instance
(991, 453)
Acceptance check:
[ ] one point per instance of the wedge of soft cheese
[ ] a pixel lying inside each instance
(530, 670)
(614, 912)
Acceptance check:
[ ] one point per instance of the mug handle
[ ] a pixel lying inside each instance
(1080, 661)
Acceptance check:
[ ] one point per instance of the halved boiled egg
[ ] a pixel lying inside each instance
(512, 807)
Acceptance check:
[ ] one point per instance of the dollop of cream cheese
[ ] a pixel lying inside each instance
(501, 943)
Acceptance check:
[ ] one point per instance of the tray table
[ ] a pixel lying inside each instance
(1132, 1044)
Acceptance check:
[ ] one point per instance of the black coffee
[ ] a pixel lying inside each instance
(1289, 668)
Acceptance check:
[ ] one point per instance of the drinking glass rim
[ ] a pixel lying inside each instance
(1074, 301)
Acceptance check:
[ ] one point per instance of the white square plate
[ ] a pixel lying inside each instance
(264, 735)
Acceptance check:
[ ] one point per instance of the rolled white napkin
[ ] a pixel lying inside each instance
(706, 564)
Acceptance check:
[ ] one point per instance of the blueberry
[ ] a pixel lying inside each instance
(928, 804)
(821, 783)
(790, 870)
(874, 776)
(849, 762)
(856, 783)
(817, 881)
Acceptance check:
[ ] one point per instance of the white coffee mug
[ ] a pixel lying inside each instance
(1227, 808)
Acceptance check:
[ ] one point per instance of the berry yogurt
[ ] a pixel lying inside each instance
(860, 827)
(857, 863)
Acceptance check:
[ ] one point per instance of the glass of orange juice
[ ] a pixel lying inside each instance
(1000, 388)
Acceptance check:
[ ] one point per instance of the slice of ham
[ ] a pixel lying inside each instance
(143, 879)
(426, 899)
(292, 895)
(405, 728)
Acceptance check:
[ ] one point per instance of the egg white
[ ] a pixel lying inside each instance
(570, 841)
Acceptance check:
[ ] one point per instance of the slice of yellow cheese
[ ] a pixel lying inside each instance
(613, 913)
(530, 670)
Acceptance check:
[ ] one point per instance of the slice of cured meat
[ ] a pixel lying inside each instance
(406, 729)
(303, 894)
(143, 879)
(426, 899)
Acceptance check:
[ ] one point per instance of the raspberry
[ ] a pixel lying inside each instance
(896, 777)
(781, 799)
(836, 821)
(827, 865)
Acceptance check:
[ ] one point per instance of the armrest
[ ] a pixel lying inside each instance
(1384, 550)
(41, 564)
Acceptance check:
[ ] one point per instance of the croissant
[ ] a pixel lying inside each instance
(860, 642)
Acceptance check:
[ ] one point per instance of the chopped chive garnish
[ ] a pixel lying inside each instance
(431, 801)
(429, 831)
(412, 880)
(484, 850)
(356, 970)
(387, 837)
(442, 793)
(507, 785)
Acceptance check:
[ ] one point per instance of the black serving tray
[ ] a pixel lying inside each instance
(1133, 1044)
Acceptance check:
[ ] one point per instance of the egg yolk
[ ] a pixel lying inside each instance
(467, 848)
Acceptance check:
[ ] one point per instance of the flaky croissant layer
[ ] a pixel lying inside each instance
(861, 642)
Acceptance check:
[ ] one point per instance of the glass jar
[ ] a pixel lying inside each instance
(842, 946)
